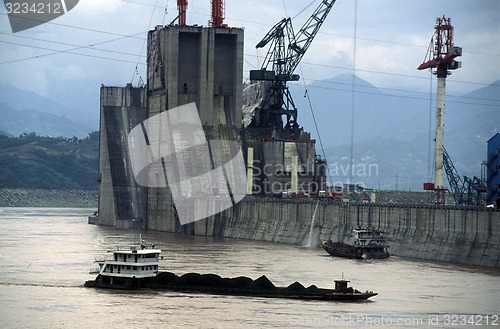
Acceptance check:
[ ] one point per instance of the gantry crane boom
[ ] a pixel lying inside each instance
(456, 182)
(465, 191)
(306, 34)
(286, 50)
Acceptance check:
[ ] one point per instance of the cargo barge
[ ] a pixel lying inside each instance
(137, 268)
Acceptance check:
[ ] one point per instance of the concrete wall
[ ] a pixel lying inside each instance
(195, 64)
(450, 234)
(120, 198)
(273, 170)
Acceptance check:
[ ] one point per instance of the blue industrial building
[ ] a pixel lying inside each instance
(493, 176)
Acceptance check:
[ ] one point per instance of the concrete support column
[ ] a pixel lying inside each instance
(249, 170)
(170, 61)
(440, 109)
(294, 173)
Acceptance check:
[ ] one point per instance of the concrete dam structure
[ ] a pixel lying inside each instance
(202, 66)
(205, 65)
(437, 233)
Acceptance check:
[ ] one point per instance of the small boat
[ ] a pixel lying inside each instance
(137, 268)
(128, 269)
(368, 244)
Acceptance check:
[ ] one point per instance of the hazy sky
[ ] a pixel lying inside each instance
(103, 41)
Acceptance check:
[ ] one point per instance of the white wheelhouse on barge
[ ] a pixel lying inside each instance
(128, 266)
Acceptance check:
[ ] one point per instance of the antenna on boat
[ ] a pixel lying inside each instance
(136, 228)
(342, 276)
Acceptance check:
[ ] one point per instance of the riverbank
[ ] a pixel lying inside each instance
(18, 197)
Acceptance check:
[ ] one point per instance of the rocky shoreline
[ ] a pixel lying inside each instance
(19, 197)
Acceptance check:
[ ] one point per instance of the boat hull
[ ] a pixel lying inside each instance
(115, 283)
(340, 249)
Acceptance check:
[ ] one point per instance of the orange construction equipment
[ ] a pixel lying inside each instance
(182, 7)
(442, 56)
(217, 13)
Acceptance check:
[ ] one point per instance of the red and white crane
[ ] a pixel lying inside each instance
(217, 13)
(182, 6)
(440, 59)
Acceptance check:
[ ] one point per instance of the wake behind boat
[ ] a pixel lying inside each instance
(368, 244)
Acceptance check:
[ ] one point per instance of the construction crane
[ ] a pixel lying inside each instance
(217, 13)
(182, 6)
(440, 59)
(466, 191)
(286, 49)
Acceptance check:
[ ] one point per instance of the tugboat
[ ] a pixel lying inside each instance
(128, 269)
(137, 268)
(368, 244)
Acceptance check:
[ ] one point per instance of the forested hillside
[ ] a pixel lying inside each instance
(32, 161)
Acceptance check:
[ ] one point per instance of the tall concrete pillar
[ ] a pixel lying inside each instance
(191, 64)
(440, 112)
(249, 171)
(120, 198)
(294, 173)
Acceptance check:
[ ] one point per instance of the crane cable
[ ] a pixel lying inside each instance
(353, 94)
(136, 71)
(165, 14)
(306, 95)
(284, 7)
(305, 8)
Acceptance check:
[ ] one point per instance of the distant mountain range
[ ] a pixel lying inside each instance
(23, 111)
(391, 130)
(392, 148)
(15, 122)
